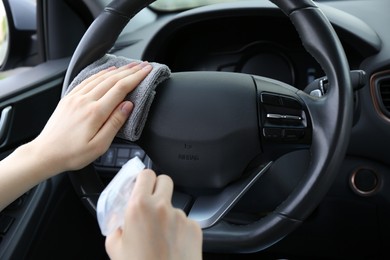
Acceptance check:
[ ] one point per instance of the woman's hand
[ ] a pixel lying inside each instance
(153, 229)
(80, 130)
(87, 119)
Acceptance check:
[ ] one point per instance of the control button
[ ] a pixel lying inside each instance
(124, 152)
(277, 100)
(273, 132)
(121, 161)
(290, 102)
(294, 133)
(137, 152)
(108, 159)
(287, 117)
(270, 99)
(5, 223)
(117, 155)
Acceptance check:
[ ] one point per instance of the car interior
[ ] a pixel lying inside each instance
(274, 124)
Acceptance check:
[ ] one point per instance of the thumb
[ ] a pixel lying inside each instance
(115, 121)
(113, 243)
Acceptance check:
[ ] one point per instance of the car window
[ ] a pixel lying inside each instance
(4, 37)
(18, 40)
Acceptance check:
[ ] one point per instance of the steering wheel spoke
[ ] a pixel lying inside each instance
(208, 210)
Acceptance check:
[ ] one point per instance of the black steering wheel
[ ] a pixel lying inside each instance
(217, 134)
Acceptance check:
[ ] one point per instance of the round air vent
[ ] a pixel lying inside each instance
(365, 182)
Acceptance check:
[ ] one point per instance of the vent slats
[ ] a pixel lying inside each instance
(384, 90)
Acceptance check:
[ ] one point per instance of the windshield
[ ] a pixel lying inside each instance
(175, 5)
(172, 5)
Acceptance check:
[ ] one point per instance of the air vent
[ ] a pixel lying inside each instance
(380, 90)
(384, 91)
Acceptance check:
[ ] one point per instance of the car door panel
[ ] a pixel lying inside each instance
(32, 100)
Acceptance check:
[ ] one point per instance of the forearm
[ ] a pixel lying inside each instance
(20, 171)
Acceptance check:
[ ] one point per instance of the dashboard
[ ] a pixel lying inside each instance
(264, 44)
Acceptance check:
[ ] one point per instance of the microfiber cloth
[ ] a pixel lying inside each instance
(142, 96)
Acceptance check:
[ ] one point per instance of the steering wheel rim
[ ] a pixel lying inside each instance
(330, 115)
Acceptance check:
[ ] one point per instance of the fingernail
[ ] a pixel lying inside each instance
(126, 107)
(132, 64)
(143, 64)
(111, 68)
(147, 67)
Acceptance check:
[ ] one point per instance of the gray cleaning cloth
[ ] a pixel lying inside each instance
(142, 96)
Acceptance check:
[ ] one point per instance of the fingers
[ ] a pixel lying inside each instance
(145, 183)
(95, 80)
(115, 77)
(148, 184)
(163, 187)
(129, 80)
(114, 86)
(82, 87)
(99, 84)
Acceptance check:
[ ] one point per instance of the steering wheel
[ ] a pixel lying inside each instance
(223, 132)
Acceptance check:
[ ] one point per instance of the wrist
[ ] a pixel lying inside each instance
(38, 160)
(22, 170)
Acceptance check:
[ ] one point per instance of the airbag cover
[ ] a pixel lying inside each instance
(203, 127)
